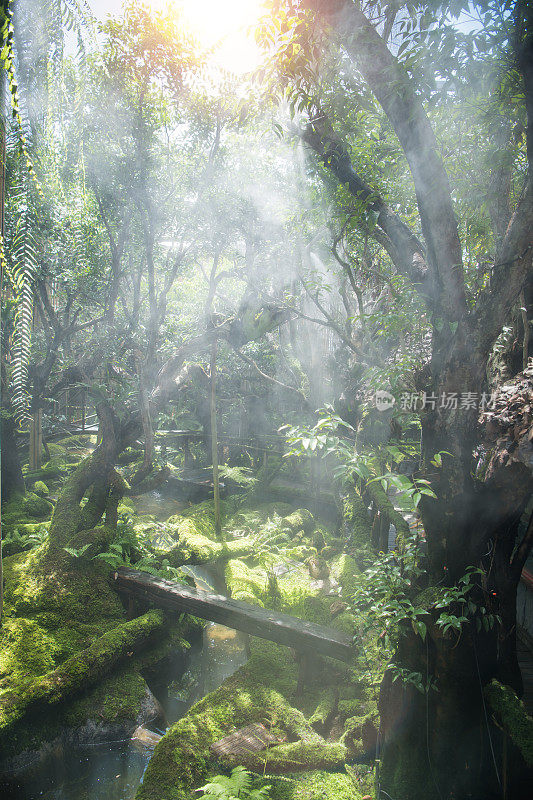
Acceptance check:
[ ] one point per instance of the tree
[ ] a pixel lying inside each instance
(474, 518)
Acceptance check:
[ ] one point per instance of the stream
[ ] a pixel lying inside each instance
(113, 770)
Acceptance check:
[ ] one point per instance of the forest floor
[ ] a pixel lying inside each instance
(322, 713)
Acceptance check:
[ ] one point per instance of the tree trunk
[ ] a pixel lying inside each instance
(214, 438)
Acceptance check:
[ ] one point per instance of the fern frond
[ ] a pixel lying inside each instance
(21, 272)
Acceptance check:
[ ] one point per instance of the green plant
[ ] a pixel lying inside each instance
(77, 552)
(238, 786)
(390, 602)
(243, 476)
(15, 541)
(333, 438)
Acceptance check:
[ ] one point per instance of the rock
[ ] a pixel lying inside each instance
(337, 607)
(35, 506)
(301, 519)
(144, 739)
(318, 568)
(40, 488)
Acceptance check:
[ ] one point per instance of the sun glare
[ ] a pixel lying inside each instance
(226, 24)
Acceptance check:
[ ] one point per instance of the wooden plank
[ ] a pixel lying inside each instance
(262, 622)
(251, 739)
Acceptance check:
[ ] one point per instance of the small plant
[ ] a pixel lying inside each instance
(238, 786)
(77, 552)
(388, 605)
(16, 542)
(242, 476)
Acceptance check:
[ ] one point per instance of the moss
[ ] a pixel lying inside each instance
(297, 757)
(83, 669)
(35, 506)
(193, 540)
(245, 583)
(348, 573)
(300, 520)
(324, 710)
(357, 520)
(181, 759)
(40, 488)
(513, 717)
(129, 455)
(327, 786)
(264, 690)
(64, 633)
(281, 787)
(117, 698)
(48, 472)
(382, 502)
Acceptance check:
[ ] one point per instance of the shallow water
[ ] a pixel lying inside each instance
(158, 505)
(224, 650)
(107, 771)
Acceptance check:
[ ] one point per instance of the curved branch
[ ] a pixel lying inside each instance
(269, 378)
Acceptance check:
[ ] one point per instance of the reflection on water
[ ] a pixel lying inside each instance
(107, 771)
(224, 649)
(158, 506)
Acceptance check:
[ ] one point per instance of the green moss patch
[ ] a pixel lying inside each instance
(513, 717)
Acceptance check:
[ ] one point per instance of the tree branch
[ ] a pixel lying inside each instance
(269, 378)
(402, 245)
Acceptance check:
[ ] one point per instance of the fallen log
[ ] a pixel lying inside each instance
(82, 670)
(274, 626)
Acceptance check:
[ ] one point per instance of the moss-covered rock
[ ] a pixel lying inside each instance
(327, 786)
(267, 689)
(56, 609)
(300, 520)
(192, 538)
(40, 488)
(76, 673)
(256, 693)
(37, 507)
(245, 583)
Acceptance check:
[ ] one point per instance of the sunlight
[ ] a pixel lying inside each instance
(226, 25)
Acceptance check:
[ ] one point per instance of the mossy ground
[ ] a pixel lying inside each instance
(57, 605)
(267, 689)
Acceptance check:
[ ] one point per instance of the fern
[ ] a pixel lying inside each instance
(236, 787)
(21, 273)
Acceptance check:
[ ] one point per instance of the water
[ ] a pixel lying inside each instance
(224, 650)
(158, 506)
(107, 771)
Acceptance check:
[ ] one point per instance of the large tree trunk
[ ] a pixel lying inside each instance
(440, 743)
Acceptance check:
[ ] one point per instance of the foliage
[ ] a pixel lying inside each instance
(390, 602)
(334, 438)
(243, 476)
(238, 786)
(16, 540)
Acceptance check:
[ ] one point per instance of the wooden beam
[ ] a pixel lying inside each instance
(281, 628)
